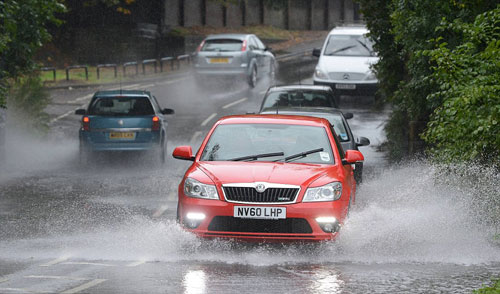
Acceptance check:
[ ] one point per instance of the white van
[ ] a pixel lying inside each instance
(345, 62)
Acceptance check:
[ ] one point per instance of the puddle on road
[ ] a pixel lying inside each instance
(401, 216)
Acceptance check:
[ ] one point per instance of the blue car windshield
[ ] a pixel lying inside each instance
(122, 106)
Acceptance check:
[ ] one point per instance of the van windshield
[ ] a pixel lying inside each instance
(349, 45)
(127, 106)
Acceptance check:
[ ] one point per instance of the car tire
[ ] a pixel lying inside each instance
(178, 214)
(252, 79)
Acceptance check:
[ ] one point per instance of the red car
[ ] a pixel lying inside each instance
(267, 178)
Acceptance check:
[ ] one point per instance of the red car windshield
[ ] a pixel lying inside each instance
(232, 141)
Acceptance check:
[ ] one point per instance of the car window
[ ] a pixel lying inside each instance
(124, 106)
(222, 45)
(259, 43)
(349, 45)
(238, 140)
(252, 44)
(298, 98)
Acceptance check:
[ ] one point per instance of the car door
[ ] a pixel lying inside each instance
(259, 55)
(266, 56)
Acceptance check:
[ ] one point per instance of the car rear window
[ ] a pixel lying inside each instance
(123, 106)
(303, 98)
(222, 45)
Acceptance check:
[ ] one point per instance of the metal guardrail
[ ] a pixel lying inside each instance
(293, 55)
(99, 66)
(52, 69)
(165, 59)
(131, 63)
(185, 57)
(148, 61)
(77, 67)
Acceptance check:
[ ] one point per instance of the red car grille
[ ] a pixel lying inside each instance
(270, 195)
(283, 226)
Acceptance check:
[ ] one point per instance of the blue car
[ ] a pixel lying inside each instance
(123, 120)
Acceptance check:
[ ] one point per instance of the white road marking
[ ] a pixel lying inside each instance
(3, 280)
(146, 86)
(160, 210)
(208, 119)
(65, 115)
(234, 103)
(87, 263)
(57, 278)
(128, 87)
(83, 98)
(84, 286)
(194, 137)
(136, 263)
(263, 92)
(55, 261)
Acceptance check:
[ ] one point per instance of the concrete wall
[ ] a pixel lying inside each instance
(319, 12)
(234, 16)
(192, 13)
(335, 12)
(275, 18)
(252, 12)
(215, 16)
(172, 17)
(298, 15)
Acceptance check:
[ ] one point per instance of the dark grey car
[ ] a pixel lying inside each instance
(339, 122)
(278, 97)
(241, 56)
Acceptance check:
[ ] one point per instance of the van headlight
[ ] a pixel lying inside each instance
(371, 76)
(195, 189)
(328, 192)
(320, 74)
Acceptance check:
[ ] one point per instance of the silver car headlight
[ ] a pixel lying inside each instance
(320, 74)
(195, 189)
(328, 192)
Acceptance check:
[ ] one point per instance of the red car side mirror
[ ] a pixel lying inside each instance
(183, 153)
(352, 156)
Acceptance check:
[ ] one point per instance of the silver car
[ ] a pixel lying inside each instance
(241, 56)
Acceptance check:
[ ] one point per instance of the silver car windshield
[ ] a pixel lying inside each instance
(240, 140)
(349, 45)
(222, 45)
(298, 98)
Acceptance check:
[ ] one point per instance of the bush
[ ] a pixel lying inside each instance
(466, 126)
(493, 289)
(26, 101)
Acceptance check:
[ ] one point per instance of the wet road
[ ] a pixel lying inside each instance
(109, 227)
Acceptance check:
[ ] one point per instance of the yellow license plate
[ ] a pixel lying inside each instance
(121, 135)
(219, 60)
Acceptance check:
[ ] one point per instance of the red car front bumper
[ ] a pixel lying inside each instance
(300, 223)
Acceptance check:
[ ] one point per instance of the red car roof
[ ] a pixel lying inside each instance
(274, 119)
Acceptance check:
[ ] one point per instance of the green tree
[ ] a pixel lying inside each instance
(23, 30)
(466, 124)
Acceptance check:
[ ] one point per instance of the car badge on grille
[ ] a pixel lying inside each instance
(120, 122)
(346, 76)
(260, 187)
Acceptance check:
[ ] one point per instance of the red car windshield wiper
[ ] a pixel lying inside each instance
(301, 154)
(257, 156)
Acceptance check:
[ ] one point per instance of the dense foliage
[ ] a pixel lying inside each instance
(466, 124)
(412, 38)
(23, 29)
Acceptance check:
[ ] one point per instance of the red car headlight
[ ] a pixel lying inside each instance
(328, 192)
(195, 189)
